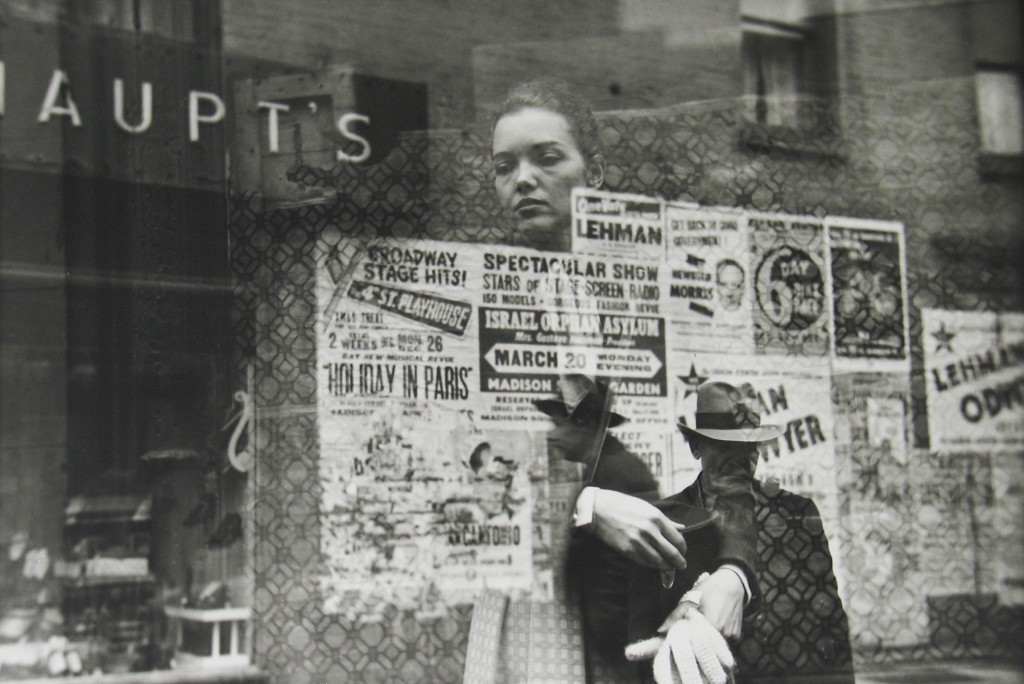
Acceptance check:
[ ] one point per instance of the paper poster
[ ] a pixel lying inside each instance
(545, 314)
(420, 498)
(1008, 542)
(795, 394)
(788, 262)
(974, 370)
(652, 443)
(868, 294)
(710, 291)
(429, 355)
(871, 430)
(887, 425)
(617, 224)
(416, 503)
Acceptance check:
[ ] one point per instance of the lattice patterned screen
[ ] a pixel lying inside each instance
(921, 535)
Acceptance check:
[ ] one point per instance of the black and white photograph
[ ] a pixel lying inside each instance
(511, 341)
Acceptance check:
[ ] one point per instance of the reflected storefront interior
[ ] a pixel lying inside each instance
(272, 345)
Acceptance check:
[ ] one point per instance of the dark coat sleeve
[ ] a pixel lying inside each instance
(737, 533)
(596, 572)
(599, 576)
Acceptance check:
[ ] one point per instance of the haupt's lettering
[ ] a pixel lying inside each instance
(204, 109)
(57, 87)
(273, 127)
(195, 97)
(147, 108)
(344, 123)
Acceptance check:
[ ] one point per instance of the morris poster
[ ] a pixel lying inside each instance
(710, 289)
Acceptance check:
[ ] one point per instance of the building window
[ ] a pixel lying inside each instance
(1000, 110)
(773, 72)
(168, 18)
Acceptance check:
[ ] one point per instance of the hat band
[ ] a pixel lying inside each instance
(727, 421)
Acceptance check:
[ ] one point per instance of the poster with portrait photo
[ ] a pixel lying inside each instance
(709, 289)
(790, 284)
(868, 294)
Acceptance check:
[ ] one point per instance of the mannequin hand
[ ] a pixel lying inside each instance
(722, 601)
(691, 653)
(638, 530)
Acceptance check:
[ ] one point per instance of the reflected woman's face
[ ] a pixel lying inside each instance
(536, 166)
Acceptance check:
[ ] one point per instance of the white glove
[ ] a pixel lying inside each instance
(692, 652)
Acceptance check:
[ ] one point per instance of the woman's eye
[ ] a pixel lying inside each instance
(502, 168)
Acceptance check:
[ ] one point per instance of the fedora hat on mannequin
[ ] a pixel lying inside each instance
(729, 414)
(580, 399)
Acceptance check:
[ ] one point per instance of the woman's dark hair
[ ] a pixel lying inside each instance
(557, 96)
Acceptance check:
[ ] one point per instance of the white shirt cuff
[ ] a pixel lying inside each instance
(742, 576)
(583, 513)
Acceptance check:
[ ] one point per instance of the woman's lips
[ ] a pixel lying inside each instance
(530, 206)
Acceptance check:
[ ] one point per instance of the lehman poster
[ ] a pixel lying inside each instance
(974, 369)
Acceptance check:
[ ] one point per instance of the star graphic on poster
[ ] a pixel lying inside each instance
(944, 338)
(692, 381)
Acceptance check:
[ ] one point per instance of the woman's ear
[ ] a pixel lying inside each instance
(595, 171)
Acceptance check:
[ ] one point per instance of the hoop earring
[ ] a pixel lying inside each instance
(595, 177)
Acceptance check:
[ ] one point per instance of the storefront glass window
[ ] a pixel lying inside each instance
(394, 341)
